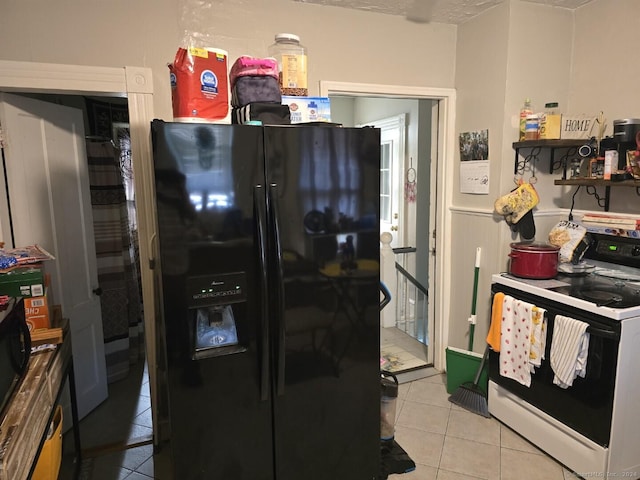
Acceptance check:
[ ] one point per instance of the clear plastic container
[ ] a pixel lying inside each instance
(388, 398)
(292, 64)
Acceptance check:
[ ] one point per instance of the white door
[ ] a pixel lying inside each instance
(48, 182)
(392, 154)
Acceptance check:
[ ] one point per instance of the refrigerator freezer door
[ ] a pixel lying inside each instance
(323, 202)
(207, 177)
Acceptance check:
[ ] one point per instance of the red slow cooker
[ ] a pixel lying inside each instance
(533, 260)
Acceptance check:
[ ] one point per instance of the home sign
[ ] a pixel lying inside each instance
(577, 127)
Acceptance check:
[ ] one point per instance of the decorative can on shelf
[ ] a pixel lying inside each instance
(531, 126)
(550, 122)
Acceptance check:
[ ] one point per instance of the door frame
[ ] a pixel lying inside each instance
(442, 174)
(136, 84)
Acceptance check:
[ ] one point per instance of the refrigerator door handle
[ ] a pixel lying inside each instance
(277, 256)
(261, 212)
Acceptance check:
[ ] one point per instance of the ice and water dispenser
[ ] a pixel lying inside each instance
(213, 305)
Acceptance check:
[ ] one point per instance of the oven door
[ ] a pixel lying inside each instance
(15, 350)
(587, 405)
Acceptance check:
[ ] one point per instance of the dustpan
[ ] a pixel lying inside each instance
(462, 365)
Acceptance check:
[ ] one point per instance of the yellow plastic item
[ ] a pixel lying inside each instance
(50, 457)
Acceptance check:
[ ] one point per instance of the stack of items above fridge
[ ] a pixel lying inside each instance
(255, 92)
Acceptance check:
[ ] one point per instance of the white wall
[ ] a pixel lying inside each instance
(513, 51)
(427, 144)
(582, 59)
(342, 110)
(605, 76)
(343, 44)
(605, 71)
(481, 66)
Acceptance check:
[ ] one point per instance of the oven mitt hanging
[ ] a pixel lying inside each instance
(516, 207)
(526, 227)
(517, 203)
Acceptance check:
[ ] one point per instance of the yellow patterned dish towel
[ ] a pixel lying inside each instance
(538, 337)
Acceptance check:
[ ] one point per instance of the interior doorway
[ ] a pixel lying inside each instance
(107, 144)
(133, 86)
(88, 219)
(425, 158)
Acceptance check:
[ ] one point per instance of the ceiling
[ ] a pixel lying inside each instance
(439, 11)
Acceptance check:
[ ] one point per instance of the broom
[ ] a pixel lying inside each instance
(471, 397)
(472, 318)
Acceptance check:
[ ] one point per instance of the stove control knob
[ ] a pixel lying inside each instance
(635, 251)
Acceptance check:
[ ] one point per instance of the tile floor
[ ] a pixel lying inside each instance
(393, 338)
(445, 441)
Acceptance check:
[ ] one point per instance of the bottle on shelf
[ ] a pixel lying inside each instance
(525, 111)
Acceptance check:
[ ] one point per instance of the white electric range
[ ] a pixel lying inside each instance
(592, 427)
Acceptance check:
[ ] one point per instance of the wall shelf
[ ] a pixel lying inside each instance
(592, 183)
(566, 143)
(598, 182)
(571, 146)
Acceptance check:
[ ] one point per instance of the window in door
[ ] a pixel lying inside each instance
(392, 145)
(385, 182)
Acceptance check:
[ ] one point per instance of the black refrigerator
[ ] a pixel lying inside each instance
(270, 287)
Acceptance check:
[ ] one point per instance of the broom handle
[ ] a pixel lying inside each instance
(482, 362)
(476, 271)
(472, 318)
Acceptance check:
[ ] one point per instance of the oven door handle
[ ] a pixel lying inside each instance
(600, 332)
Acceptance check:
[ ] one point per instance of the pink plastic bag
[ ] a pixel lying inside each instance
(252, 66)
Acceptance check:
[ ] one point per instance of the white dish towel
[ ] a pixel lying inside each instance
(569, 350)
(515, 343)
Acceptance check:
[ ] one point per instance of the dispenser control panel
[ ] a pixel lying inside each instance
(216, 289)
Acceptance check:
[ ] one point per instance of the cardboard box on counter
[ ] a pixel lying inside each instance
(36, 312)
(308, 109)
(23, 282)
(53, 334)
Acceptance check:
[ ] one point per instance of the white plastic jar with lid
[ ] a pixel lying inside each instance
(292, 64)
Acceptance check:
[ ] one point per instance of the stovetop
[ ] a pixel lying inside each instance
(609, 286)
(603, 287)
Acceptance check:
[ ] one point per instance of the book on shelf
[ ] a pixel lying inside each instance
(607, 230)
(595, 218)
(612, 226)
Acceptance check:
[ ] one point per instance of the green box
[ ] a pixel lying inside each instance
(22, 282)
(462, 366)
